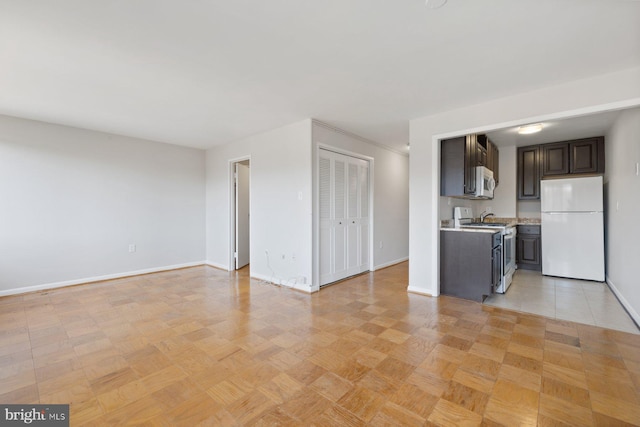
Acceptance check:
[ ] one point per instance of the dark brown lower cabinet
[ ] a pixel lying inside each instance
(469, 263)
(529, 247)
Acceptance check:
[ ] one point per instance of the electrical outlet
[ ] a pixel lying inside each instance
(132, 247)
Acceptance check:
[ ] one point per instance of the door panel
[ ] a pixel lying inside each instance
(572, 194)
(326, 229)
(339, 249)
(242, 215)
(364, 248)
(573, 245)
(344, 212)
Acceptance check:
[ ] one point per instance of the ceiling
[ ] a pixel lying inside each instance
(206, 72)
(557, 130)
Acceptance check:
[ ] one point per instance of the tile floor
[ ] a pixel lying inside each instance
(581, 301)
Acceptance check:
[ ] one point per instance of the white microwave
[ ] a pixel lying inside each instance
(485, 184)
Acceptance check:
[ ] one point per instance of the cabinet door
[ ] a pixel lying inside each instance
(481, 156)
(555, 159)
(466, 264)
(529, 172)
(495, 154)
(452, 167)
(528, 252)
(587, 155)
(470, 162)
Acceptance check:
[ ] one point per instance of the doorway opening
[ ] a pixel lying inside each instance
(241, 218)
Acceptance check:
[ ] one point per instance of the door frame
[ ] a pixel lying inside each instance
(316, 206)
(232, 209)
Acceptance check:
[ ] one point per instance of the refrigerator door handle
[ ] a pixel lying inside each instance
(572, 212)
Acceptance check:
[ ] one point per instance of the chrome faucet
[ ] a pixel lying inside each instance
(484, 215)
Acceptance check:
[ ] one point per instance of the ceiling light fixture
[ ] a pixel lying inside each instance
(529, 129)
(435, 4)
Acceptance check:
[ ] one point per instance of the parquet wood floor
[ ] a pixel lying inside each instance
(201, 346)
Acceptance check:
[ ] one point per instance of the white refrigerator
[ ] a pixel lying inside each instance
(573, 228)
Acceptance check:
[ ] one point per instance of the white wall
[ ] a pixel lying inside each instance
(610, 91)
(503, 204)
(529, 209)
(281, 204)
(622, 198)
(73, 200)
(390, 191)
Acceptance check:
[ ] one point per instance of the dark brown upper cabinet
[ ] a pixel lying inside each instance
(579, 156)
(586, 155)
(470, 162)
(488, 155)
(459, 157)
(555, 159)
(493, 161)
(482, 143)
(529, 172)
(573, 157)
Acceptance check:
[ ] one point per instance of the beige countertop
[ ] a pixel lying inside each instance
(447, 224)
(515, 221)
(470, 230)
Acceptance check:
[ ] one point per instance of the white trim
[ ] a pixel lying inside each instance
(218, 266)
(232, 209)
(358, 137)
(418, 291)
(435, 163)
(632, 313)
(307, 288)
(561, 115)
(93, 279)
(326, 147)
(316, 208)
(390, 263)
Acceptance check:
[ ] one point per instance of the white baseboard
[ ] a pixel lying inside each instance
(390, 263)
(298, 286)
(46, 286)
(632, 312)
(419, 291)
(216, 265)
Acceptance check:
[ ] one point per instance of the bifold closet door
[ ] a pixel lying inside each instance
(344, 216)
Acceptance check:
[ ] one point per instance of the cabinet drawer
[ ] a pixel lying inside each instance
(529, 229)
